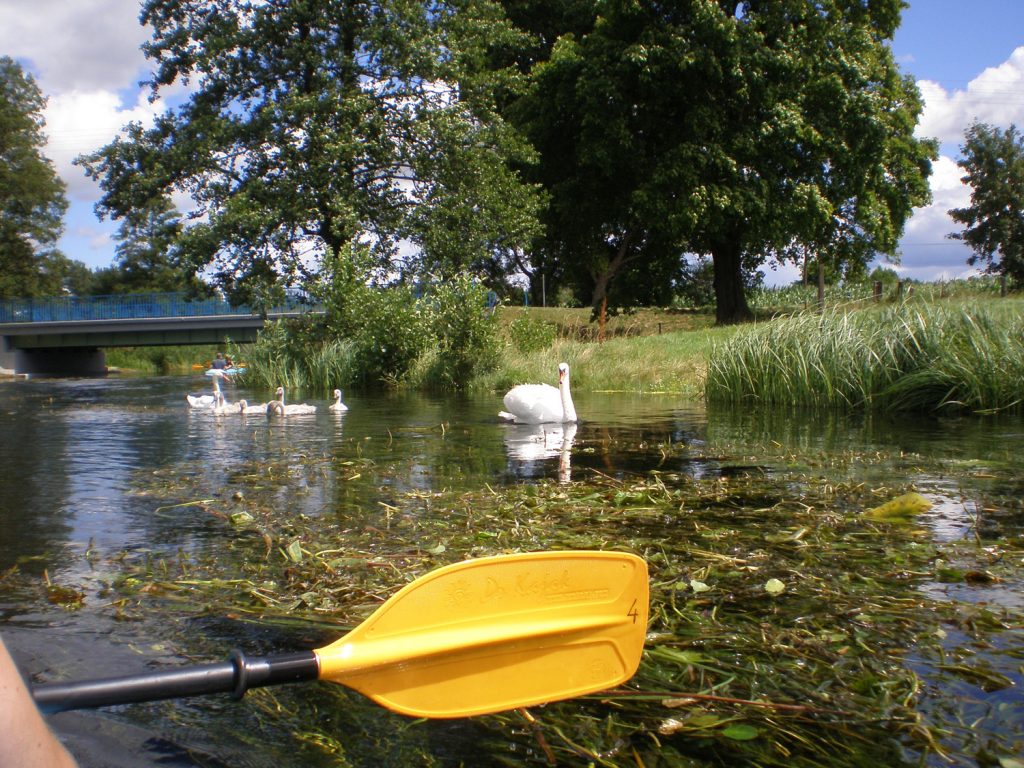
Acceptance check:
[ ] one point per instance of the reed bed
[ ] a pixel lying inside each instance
(314, 367)
(908, 357)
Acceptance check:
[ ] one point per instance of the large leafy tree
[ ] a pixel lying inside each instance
(32, 200)
(316, 125)
(862, 171)
(146, 259)
(993, 160)
(729, 129)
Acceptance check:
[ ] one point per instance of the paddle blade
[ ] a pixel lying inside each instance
(499, 633)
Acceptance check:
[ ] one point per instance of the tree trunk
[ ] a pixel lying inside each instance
(730, 298)
(599, 298)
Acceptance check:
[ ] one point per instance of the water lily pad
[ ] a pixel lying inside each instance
(740, 732)
(294, 552)
(901, 509)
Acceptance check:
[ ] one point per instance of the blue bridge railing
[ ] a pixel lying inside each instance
(131, 306)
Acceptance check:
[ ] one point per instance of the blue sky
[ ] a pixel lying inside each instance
(968, 59)
(85, 57)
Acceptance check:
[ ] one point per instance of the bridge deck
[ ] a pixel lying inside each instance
(67, 333)
(73, 309)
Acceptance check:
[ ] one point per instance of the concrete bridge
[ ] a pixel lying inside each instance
(67, 335)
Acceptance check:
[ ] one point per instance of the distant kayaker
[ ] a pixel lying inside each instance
(219, 363)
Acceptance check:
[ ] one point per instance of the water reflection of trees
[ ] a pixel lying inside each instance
(32, 474)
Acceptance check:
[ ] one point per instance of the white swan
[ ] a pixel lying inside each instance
(278, 408)
(208, 401)
(222, 407)
(540, 403)
(245, 409)
(337, 406)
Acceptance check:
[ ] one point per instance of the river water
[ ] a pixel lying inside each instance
(73, 454)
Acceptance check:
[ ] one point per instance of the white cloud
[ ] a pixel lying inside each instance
(80, 122)
(96, 239)
(81, 45)
(85, 57)
(928, 254)
(996, 96)
(948, 191)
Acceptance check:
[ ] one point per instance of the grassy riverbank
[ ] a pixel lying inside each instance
(660, 363)
(651, 350)
(161, 360)
(942, 347)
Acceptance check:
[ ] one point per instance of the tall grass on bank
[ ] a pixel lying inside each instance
(925, 357)
(796, 297)
(273, 361)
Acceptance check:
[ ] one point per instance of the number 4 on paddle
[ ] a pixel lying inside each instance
(471, 638)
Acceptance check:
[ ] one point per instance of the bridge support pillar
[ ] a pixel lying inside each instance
(7, 356)
(60, 361)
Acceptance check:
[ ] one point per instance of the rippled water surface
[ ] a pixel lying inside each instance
(74, 454)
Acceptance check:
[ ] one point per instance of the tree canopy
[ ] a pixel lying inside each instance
(729, 129)
(147, 257)
(316, 125)
(993, 160)
(32, 200)
(587, 144)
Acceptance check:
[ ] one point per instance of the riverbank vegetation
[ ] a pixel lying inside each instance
(923, 348)
(917, 347)
(909, 357)
(162, 360)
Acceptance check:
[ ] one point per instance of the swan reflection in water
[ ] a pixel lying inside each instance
(530, 445)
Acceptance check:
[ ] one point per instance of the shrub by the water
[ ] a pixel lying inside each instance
(531, 334)
(293, 356)
(439, 337)
(464, 333)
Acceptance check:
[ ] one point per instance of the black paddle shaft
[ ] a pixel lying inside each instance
(235, 676)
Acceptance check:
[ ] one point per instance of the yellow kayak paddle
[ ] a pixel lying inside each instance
(471, 638)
